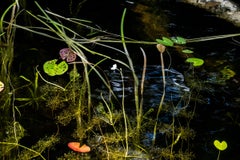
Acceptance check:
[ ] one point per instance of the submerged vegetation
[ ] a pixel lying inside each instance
(61, 91)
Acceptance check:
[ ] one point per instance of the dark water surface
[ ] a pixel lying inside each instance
(218, 108)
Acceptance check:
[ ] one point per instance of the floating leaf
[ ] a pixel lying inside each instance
(52, 69)
(67, 54)
(165, 41)
(49, 67)
(196, 61)
(179, 40)
(220, 145)
(187, 51)
(61, 68)
(75, 146)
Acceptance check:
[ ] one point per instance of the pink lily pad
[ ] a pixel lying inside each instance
(67, 54)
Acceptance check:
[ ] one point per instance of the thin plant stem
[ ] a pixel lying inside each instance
(191, 40)
(218, 157)
(124, 115)
(56, 85)
(142, 81)
(135, 78)
(173, 135)
(110, 116)
(161, 49)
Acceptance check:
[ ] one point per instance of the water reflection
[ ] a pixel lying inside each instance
(153, 85)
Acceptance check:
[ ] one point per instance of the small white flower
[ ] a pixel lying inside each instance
(114, 67)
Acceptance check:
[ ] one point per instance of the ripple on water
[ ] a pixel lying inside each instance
(153, 85)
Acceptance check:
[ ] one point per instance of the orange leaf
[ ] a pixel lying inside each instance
(75, 146)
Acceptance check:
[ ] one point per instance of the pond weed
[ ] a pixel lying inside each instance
(112, 127)
(107, 127)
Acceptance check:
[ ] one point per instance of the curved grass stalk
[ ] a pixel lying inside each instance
(191, 40)
(56, 85)
(135, 78)
(142, 82)
(210, 38)
(124, 115)
(78, 21)
(7, 38)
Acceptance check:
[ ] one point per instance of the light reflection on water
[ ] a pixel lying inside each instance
(153, 85)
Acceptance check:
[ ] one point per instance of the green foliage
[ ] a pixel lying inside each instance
(179, 40)
(31, 96)
(187, 51)
(107, 126)
(14, 132)
(37, 149)
(220, 145)
(52, 68)
(195, 61)
(171, 41)
(165, 41)
(227, 73)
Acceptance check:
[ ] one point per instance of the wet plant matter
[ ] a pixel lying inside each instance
(62, 89)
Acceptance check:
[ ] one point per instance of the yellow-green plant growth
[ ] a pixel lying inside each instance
(221, 146)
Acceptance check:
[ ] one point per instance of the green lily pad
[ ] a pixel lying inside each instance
(187, 51)
(220, 145)
(61, 68)
(53, 69)
(196, 61)
(49, 67)
(165, 41)
(179, 40)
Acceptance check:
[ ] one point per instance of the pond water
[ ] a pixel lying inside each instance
(214, 87)
(218, 108)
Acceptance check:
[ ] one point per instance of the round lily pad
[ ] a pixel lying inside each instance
(67, 54)
(52, 69)
(196, 61)
(49, 67)
(61, 68)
